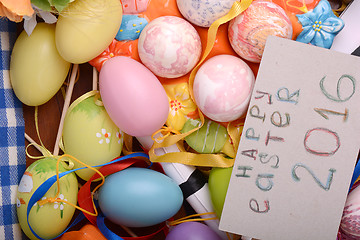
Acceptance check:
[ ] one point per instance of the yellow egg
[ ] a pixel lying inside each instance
(51, 219)
(86, 28)
(90, 135)
(37, 71)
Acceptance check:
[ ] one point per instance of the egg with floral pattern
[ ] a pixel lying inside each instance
(50, 219)
(169, 46)
(90, 135)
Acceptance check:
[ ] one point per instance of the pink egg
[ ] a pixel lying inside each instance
(350, 222)
(222, 88)
(248, 31)
(133, 97)
(169, 46)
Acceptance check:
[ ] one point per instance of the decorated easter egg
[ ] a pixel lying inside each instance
(219, 179)
(133, 97)
(204, 13)
(169, 46)
(249, 30)
(210, 138)
(222, 88)
(50, 219)
(90, 135)
(350, 221)
(192, 231)
(86, 28)
(139, 197)
(135, 6)
(37, 71)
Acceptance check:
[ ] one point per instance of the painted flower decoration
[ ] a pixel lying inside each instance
(15, 10)
(320, 25)
(104, 136)
(181, 105)
(116, 48)
(60, 205)
(120, 137)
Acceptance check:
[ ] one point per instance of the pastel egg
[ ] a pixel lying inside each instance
(57, 215)
(222, 88)
(169, 46)
(192, 231)
(210, 138)
(37, 71)
(249, 30)
(204, 13)
(219, 179)
(139, 197)
(350, 221)
(90, 135)
(86, 28)
(133, 97)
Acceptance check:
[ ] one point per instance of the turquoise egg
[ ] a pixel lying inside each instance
(139, 197)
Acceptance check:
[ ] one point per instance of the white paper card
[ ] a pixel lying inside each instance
(299, 145)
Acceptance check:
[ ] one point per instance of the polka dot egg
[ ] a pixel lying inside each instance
(222, 88)
(169, 46)
(204, 13)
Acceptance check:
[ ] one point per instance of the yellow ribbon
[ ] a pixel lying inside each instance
(191, 219)
(57, 199)
(209, 160)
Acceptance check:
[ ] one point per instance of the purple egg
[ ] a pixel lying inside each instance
(192, 231)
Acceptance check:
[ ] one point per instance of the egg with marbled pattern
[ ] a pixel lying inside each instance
(249, 30)
(222, 87)
(169, 46)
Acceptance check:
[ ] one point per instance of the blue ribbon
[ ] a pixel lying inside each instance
(100, 221)
(45, 186)
(356, 174)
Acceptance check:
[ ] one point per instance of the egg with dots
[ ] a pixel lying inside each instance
(249, 30)
(169, 46)
(222, 88)
(90, 135)
(204, 13)
(47, 219)
(139, 197)
(132, 96)
(86, 28)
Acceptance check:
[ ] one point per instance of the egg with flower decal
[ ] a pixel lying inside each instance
(57, 215)
(90, 135)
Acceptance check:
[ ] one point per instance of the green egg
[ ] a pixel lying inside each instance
(37, 71)
(50, 219)
(219, 179)
(90, 135)
(210, 138)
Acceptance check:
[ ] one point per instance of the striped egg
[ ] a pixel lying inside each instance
(350, 222)
(210, 138)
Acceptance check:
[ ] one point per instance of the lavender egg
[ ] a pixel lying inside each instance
(192, 231)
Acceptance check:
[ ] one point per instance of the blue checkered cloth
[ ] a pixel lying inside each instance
(12, 141)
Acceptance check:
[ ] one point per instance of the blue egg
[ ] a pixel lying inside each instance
(131, 27)
(139, 197)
